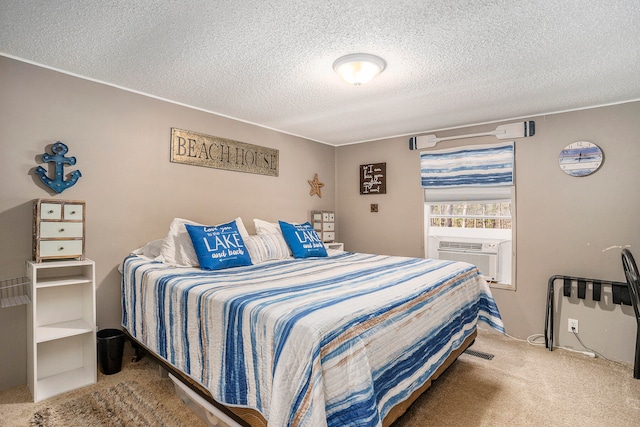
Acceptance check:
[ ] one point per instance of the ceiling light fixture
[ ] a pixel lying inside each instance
(358, 68)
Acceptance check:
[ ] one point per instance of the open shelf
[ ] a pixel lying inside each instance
(64, 382)
(62, 330)
(61, 327)
(58, 264)
(62, 281)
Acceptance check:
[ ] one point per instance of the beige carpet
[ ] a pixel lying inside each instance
(523, 385)
(527, 385)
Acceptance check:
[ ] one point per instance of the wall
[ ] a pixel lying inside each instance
(565, 225)
(121, 141)
(132, 191)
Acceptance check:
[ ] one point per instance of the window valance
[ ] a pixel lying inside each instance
(470, 166)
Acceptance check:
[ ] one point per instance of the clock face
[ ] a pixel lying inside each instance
(580, 158)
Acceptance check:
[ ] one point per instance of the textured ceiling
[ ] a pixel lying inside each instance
(449, 62)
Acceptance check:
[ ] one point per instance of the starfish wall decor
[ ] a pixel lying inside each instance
(316, 186)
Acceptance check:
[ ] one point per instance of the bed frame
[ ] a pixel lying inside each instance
(252, 418)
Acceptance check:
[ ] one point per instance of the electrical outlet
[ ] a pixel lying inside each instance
(573, 325)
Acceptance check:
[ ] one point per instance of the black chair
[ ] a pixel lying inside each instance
(633, 281)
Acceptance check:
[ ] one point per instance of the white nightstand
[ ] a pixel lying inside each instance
(335, 245)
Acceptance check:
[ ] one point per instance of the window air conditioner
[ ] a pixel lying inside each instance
(484, 255)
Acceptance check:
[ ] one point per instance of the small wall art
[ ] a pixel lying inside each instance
(58, 159)
(373, 178)
(316, 186)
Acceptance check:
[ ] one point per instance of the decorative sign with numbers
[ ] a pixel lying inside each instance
(373, 178)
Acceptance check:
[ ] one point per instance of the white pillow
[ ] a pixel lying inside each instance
(151, 249)
(177, 248)
(264, 227)
(267, 247)
(241, 228)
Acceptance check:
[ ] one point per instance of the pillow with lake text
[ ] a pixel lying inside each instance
(177, 248)
(302, 240)
(218, 246)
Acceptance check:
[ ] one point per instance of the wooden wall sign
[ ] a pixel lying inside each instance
(198, 149)
(373, 178)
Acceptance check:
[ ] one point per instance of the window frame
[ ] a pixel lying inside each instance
(464, 217)
(460, 234)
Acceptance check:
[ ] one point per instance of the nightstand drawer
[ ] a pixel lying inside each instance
(328, 226)
(328, 217)
(60, 248)
(335, 245)
(73, 212)
(51, 211)
(328, 236)
(60, 229)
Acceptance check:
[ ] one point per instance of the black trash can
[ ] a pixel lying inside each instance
(110, 349)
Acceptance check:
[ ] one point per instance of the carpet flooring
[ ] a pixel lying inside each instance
(522, 385)
(127, 403)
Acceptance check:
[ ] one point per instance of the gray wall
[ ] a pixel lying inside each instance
(565, 225)
(132, 191)
(121, 141)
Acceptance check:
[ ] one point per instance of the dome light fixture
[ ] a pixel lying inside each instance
(358, 68)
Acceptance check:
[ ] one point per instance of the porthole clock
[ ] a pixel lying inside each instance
(580, 158)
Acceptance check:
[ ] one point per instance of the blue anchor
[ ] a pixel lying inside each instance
(58, 184)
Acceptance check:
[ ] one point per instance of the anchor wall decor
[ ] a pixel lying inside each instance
(58, 184)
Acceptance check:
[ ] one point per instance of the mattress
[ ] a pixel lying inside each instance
(337, 341)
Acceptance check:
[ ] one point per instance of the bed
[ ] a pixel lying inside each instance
(343, 339)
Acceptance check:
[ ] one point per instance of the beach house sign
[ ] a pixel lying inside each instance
(198, 149)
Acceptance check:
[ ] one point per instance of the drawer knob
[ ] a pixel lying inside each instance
(50, 211)
(73, 212)
(61, 230)
(61, 248)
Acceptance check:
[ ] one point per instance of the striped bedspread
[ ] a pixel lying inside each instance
(335, 341)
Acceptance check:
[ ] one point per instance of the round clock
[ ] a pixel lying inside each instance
(580, 158)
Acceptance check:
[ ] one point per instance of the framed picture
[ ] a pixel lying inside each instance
(373, 178)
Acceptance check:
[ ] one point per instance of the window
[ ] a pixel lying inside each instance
(469, 208)
(490, 215)
(477, 232)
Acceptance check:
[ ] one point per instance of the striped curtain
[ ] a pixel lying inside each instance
(470, 166)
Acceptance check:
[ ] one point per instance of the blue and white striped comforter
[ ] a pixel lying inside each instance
(332, 341)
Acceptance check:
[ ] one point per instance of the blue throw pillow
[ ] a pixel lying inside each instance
(218, 246)
(302, 240)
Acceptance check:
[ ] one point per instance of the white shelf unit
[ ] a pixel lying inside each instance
(61, 319)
